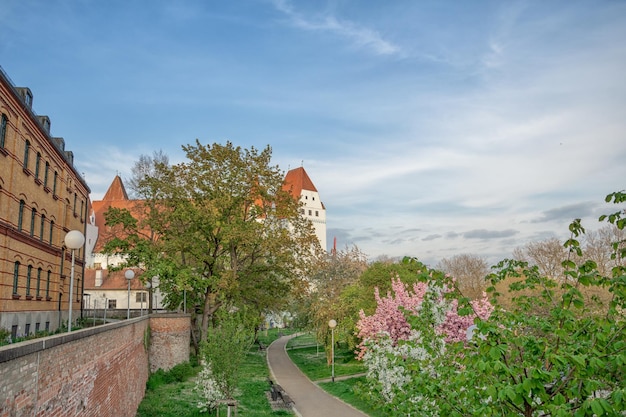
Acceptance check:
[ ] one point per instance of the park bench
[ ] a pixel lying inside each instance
(278, 392)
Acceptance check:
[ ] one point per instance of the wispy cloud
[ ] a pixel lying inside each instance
(360, 36)
(489, 234)
(567, 213)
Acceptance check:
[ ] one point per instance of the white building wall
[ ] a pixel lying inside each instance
(316, 213)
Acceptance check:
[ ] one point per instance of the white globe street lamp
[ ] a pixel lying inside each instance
(74, 239)
(332, 324)
(129, 274)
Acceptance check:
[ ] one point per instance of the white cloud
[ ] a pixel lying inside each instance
(360, 36)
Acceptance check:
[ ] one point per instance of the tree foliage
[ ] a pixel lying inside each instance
(228, 233)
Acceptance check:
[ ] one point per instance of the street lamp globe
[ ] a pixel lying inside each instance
(74, 239)
(332, 324)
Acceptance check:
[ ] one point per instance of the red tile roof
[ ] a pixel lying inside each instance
(297, 180)
(112, 280)
(115, 197)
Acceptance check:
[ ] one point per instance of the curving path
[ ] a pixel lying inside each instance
(310, 400)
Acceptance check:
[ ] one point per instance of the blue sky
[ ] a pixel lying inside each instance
(430, 128)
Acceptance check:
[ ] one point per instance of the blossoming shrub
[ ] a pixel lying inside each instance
(550, 353)
(391, 337)
(208, 389)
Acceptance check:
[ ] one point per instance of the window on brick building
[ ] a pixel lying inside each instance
(38, 287)
(20, 215)
(45, 175)
(42, 227)
(54, 184)
(16, 277)
(29, 271)
(37, 163)
(3, 130)
(33, 214)
(48, 284)
(51, 230)
(75, 199)
(26, 152)
(141, 297)
(112, 303)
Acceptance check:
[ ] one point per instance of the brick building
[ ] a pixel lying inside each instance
(42, 197)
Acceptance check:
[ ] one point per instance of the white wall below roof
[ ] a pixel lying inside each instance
(313, 204)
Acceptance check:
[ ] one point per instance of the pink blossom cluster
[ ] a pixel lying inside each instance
(389, 317)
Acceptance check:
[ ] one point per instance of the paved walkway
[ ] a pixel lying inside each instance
(310, 400)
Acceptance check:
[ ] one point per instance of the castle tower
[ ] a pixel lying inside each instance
(298, 183)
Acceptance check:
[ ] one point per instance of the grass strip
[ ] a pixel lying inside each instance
(345, 391)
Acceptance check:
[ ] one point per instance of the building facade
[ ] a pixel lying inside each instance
(42, 197)
(107, 289)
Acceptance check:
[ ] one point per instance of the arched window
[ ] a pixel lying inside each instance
(3, 130)
(37, 163)
(29, 271)
(54, 186)
(26, 152)
(38, 290)
(20, 215)
(16, 276)
(33, 214)
(51, 230)
(45, 175)
(48, 283)
(43, 227)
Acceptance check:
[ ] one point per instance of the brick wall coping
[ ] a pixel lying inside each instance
(27, 347)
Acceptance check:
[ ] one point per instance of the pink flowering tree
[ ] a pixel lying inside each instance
(390, 318)
(410, 330)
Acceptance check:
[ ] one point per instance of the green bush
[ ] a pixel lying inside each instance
(178, 373)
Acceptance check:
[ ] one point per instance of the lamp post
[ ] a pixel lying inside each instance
(148, 286)
(129, 274)
(332, 324)
(74, 239)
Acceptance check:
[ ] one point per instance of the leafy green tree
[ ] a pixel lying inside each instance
(225, 349)
(229, 233)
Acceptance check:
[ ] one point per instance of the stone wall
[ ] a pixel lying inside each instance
(101, 371)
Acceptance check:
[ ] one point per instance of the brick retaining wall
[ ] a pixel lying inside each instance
(100, 371)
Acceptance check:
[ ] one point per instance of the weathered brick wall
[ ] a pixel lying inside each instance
(166, 349)
(100, 371)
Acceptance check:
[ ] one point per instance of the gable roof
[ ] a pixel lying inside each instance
(297, 180)
(116, 190)
(117, 197)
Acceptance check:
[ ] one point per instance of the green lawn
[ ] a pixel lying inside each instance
(171, 394)
(168, 396)
(314, 365)
(345, 390)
